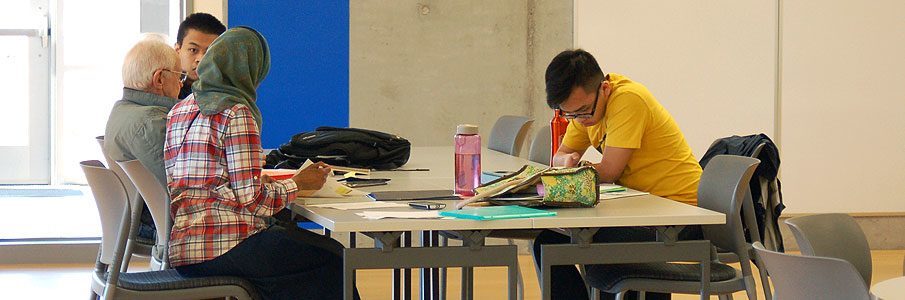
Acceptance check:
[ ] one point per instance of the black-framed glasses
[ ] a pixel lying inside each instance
(572, 116)
(182, 75)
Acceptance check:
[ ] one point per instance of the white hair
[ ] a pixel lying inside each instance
(146, 57)
(154, 36)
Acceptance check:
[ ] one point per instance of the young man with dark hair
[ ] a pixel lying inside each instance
(196, 33)
(642, 149)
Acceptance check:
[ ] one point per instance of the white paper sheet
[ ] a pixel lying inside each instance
(361, 205)
(376, 215)
(332, 188)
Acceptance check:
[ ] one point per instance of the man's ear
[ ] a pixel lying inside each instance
(177, 46)
(157, 79)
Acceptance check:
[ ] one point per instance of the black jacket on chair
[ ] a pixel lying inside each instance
(765, 186)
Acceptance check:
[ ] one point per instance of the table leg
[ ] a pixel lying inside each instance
(705, 279)
(407, 273)
(397, 278)
(514, 279)
(426, 273)
(545, 277)
(348, 280)
(467, 283)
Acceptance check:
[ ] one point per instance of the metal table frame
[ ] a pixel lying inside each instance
(583, 251)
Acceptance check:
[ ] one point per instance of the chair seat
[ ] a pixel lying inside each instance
(171, 280)
(605, 277)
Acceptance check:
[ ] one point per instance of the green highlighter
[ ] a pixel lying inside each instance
(496, 213)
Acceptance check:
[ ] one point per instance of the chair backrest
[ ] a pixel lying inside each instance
(110, 196)
(131, 191)
(811, 277)
(155, 197)
(539, 151)
(833, 235)
(508, 133)
(722, 188)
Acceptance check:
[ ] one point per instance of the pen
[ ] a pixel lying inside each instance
(496, 173)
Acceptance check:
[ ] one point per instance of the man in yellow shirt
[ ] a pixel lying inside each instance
(642, 149)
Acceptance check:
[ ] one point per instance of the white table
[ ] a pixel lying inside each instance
(667, 216)
(893, 288)
(389, 234)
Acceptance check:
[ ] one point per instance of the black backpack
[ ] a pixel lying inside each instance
(349, 147)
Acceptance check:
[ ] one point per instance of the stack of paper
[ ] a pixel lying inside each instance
(360, 205)
(376, 215)
(611, 191)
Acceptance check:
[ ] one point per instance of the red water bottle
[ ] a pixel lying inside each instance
(558, 129)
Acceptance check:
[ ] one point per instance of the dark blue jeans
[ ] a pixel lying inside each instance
(566, 282)
(280, 266)
(146, 225)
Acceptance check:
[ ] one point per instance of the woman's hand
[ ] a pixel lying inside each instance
(312, 177)
(265, 179)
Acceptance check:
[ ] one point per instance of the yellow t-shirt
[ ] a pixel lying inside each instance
(662, 163)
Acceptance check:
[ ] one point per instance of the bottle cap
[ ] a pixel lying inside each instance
(467, 129)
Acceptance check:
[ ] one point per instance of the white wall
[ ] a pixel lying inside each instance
(713, 64)
(710, 63)
(843, 96)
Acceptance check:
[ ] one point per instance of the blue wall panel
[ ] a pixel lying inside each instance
(308, 84)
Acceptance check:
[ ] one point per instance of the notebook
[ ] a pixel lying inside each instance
(414, 195)
(496, 213)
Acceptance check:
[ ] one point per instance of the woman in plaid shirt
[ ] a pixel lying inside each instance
(221, 205)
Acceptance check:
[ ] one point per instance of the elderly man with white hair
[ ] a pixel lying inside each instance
(137, 124)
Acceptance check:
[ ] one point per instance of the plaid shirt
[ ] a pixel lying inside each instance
(213, 166)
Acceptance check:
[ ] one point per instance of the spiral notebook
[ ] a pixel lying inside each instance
(496, 213)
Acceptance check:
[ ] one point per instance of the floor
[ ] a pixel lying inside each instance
(72, 281)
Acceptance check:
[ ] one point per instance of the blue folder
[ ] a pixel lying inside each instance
(496, 213)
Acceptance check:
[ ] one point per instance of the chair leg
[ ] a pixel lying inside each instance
(764, 280)
(620, 295)
(595, 294)
(641, 295)
(750, 288)
(127, 256)
(584, 277)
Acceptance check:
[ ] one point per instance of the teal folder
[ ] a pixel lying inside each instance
(496, 213)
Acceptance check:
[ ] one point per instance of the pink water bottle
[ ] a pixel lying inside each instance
(468, 159)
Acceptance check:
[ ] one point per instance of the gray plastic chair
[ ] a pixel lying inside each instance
(722, 188)
(136, 245)
(541, 146)
(833, 235)
(812, 277)
(108, 282)
(157, 200)
(508, 133)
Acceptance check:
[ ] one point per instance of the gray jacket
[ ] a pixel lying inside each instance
(136, 130)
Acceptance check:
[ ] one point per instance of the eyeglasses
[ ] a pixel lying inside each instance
(571, 116)
(182, 75)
